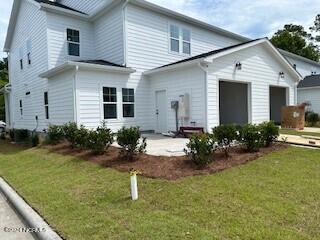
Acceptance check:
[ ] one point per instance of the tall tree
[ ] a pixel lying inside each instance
(3, 80)
(295, 39)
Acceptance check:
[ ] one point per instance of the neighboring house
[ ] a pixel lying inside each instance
(126, 62)
(309, 92)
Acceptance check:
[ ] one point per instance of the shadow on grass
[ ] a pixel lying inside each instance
(8, 148)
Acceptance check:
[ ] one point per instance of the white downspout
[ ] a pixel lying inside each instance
(124, 30)
(75, 104)
(204, 66)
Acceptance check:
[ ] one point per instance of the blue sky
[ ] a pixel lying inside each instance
(252, 18)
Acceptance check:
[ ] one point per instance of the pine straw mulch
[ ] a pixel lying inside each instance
(170, 168)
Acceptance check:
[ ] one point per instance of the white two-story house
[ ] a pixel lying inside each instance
(128, 62)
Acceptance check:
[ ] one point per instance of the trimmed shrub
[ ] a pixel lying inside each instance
(70, 133)
(21, 135)
(100, 140)
(55, 134)
(225, 135)
(251, 137)
(129, 140)
(269, 132)
(35, 140)
(81, 137)
(200, 149)
(312, 118)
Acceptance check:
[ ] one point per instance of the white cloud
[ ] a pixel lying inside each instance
(248, 17)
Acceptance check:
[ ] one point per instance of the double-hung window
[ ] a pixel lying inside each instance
(128, 102)
(73, 41)
(180, 40)
(110, 102)
(174, 39)
(46, 104)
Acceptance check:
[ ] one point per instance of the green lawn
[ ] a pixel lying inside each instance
(275, 197)
(298, 133)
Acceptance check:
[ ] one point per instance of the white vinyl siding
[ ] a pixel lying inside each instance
(312, 96)
(189, 80)
(57, 39)
(61, 98)
(109, 43)
(90, 102)
(304, 68)
(30, 25)
(260, 70)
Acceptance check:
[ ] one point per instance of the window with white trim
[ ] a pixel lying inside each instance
(128, 102)
(180, 40)
(46, 104)
(21, 109)
(109, 103)
(73, 42)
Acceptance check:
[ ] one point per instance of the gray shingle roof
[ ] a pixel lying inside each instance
(101, 62)
(310, 81)
(56, 4)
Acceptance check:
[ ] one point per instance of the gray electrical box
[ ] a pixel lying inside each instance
(175, 105)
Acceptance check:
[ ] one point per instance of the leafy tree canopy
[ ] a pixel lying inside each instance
(295, 39)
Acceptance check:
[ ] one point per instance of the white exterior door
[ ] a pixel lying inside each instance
(161, 111)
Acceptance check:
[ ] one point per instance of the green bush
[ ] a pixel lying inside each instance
(70, 133)
(81, 137)
(129, 140)
(251, 137)
(269, 132)
(100, 139)
(35, 140)
(312, 118)
(11, 134)
(55, 134)
(225, 135)
(21, 135)
(200, 149)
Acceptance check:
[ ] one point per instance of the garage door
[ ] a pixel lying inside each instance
(278, 99)
(233, 103)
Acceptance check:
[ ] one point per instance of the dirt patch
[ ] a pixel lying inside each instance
(170, 168)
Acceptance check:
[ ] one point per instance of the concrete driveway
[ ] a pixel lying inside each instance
(10, 222)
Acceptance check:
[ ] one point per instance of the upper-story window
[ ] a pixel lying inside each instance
(73, 41)
(180, 40)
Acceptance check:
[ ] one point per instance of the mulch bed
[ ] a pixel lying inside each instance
(170, 168)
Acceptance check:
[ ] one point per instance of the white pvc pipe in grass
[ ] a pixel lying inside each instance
(134, 187)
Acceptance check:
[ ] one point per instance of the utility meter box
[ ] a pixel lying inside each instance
(175, 105)
(184, 106)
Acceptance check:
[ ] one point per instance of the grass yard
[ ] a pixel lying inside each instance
(275, 197)
(298, 133)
